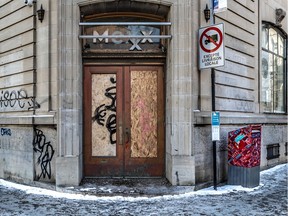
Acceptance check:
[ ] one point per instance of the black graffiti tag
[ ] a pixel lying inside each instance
(111, 127)
(46, 151)
(17, 99)
(6, 132)
(13, 98)
(111, 93)
(33, 104)
(101, 112)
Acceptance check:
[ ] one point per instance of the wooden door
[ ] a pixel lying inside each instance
(123, 121)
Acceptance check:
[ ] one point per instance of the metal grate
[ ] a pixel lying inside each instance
(273, 151)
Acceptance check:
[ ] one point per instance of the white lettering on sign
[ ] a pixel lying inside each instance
(117, 41)
(100, 39)
(145, 33)
(135, 42)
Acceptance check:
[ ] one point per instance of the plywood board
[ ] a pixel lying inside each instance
(144, 113)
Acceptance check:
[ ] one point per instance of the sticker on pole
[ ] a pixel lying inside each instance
(215, 122)
(211, 46)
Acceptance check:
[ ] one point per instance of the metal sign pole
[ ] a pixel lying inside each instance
(213, 141)
(213, 109)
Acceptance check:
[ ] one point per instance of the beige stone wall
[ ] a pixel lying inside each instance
(17, 62)
(236, 87)
(17, 92)
(268, 11)
(41, 82)
(25, 88)
(181, 61)
(273, 133)
(16, 153)
(28, 61)
(47, 59)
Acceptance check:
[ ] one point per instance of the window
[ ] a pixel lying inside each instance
(273, 70)
(273, 151)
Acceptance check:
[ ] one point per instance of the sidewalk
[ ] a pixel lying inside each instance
(127, 187)
(147, 187)
(147, 197)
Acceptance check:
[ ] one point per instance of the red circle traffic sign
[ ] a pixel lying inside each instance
(211, 40)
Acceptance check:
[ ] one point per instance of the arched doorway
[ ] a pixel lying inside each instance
(124, 58)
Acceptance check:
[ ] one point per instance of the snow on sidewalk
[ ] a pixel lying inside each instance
(266, 178)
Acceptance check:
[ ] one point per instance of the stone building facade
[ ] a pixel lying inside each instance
(58, 88)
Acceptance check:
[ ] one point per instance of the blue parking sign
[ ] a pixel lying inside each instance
(215, 118)
(215, 122)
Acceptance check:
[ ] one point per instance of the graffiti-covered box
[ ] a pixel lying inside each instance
(244, 152)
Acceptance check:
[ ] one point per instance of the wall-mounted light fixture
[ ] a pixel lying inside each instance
(280, 15)
(41, 13)
(207, 13)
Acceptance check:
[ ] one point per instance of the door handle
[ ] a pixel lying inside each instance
(127, 133)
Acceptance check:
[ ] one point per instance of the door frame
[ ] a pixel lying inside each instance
(120, 170)
(132, 163)
(116, 166)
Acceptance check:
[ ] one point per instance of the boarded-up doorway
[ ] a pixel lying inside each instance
(123, 121)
